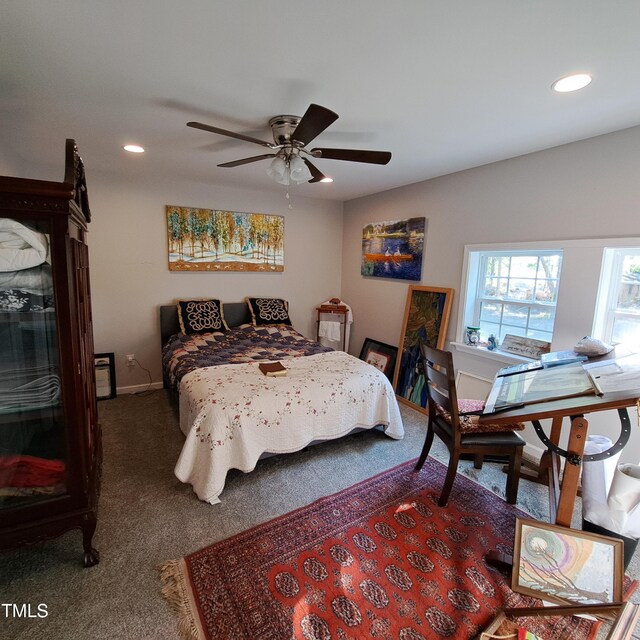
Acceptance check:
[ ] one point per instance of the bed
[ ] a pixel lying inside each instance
(232, 414)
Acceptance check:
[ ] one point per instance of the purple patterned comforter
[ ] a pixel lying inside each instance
(246, 343)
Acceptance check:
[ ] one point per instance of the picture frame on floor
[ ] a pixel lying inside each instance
(564, 565)
(382, 356)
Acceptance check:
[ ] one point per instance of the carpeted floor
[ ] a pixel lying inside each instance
(147, 517)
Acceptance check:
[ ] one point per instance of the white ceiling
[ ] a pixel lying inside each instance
(444, 86)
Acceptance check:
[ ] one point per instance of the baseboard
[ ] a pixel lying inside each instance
(137, 388)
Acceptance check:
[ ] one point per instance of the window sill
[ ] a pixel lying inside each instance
(483, 352)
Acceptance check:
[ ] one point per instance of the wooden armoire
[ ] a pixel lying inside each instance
(50, 443)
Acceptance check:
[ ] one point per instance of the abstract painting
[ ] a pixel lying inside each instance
(565, 565)
(393, 249)
(426, 317)
(214, 240)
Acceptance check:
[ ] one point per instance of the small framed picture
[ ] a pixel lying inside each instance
(104, 364)
(382, 356)
(527, 347)
(565, 565)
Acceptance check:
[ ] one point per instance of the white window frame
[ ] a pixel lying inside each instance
(579, 289)
(475, 268)
(480, 297)
(608, 291)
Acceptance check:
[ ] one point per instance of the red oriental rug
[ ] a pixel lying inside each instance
(377, 560)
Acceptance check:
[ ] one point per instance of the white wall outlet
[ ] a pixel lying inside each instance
(131, 360)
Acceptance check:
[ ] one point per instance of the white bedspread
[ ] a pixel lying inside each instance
(231, 414)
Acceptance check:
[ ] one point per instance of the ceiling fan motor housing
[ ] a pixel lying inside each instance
(282, 127)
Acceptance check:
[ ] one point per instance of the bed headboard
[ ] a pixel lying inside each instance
(235, 314)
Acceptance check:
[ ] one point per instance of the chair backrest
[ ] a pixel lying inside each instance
(441, 383)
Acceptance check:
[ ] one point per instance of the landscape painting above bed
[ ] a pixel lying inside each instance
(214, 240)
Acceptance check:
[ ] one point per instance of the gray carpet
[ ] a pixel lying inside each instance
(147, 517)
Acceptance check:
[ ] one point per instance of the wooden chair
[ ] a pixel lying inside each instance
(456, 424)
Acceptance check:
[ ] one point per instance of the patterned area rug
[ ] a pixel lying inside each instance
(378, 560)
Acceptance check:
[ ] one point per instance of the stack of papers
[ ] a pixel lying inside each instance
(615, 376)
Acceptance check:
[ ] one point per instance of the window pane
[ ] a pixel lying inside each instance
(515, 315)
(490, 312)
(491, 287)
(549, 267)
(541, 320)
(629, 296)
(540, 335)
(524, 266)
(488, 328)
(626, 331)
(497, 265)
(521, 289)
(546, 291)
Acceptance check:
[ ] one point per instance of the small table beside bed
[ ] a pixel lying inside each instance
(232, 414)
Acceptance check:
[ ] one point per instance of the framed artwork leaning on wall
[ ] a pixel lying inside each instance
(382, 356)
(426, 318)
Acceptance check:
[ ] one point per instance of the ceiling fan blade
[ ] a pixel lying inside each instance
(237, 163)
(231, 134)
(315, 172)
(315, 120)
(353, 155)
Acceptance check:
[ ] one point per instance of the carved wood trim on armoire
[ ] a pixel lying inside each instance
(50, 442)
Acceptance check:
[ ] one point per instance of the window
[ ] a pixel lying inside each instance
(618, 309)
(513, 292)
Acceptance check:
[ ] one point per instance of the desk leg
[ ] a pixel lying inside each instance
(571, 474)
(541, 474)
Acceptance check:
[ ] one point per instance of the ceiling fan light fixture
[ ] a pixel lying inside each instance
(298, 170)
(326, 179)
(572, 83)
(278, 170)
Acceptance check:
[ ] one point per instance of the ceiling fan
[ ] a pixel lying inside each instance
(290, 158)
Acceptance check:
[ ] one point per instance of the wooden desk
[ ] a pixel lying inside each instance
(562, 491)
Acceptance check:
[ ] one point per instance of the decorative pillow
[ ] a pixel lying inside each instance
(470, 423)
(269, 311)
(201, 316)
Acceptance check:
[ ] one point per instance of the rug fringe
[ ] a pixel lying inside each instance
(175, 591)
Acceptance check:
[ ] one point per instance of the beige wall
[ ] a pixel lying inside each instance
(9, 165)
(130, 278)
(587, 189)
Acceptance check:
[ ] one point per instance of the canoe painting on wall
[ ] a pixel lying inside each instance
(393, 249)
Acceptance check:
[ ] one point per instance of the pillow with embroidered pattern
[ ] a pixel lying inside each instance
(201, 316)
(269, 311)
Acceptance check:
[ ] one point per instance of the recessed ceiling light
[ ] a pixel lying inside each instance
(572, 82)
(133, 148)
(326, 179)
